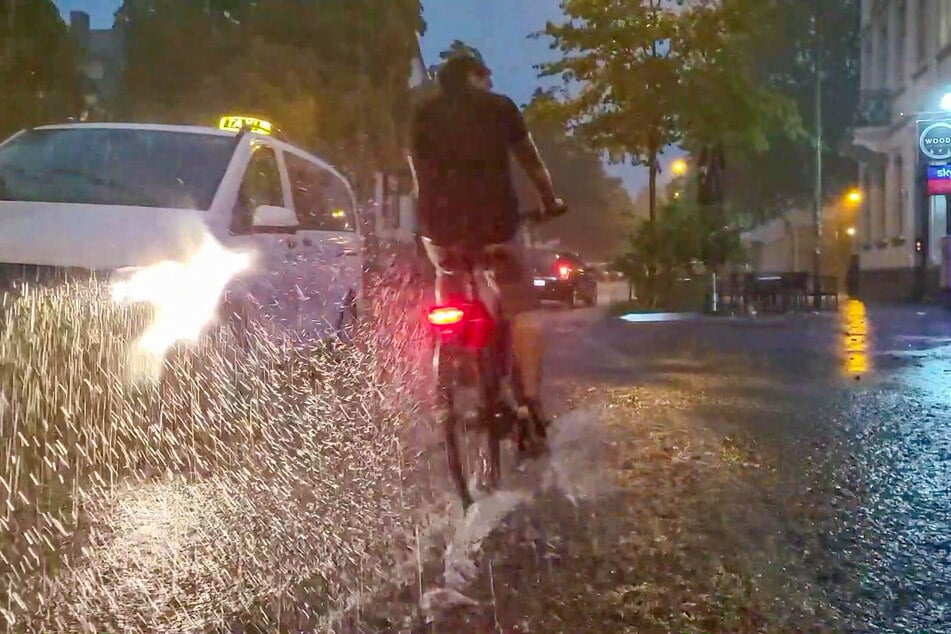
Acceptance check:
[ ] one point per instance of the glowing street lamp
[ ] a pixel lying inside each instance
(850, 232)
(679, 167)
(945, 103)
(854, 196)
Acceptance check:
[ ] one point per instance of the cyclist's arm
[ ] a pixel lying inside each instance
(417, 131)
(526, 153)
(412, 171)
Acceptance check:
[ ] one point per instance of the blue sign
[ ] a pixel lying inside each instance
(934, 141)
(939, 172)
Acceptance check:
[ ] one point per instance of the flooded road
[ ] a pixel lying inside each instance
(850, 415)
(765, 474)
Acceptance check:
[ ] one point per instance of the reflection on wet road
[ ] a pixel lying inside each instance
(861, 469)
(855, 338)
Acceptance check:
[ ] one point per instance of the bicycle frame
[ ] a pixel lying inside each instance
(468, 333)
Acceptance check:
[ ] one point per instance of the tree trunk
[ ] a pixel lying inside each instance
(652, 186)
(652, 272)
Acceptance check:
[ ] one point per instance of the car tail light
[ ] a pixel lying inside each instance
(563, 270)
(446, 316)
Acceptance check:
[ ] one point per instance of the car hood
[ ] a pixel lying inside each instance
(96, 237)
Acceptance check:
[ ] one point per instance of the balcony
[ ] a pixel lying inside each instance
(875, 109)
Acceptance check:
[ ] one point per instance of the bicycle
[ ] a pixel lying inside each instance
(473, 349)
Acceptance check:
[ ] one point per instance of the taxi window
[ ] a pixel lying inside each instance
(114, 166)
(321, 198)
(261, 186)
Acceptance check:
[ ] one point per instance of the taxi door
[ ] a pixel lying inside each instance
(279, 282)
(326, 211)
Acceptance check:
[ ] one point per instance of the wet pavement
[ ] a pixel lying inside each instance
(778, 473)
(851, 414)
(769, 474)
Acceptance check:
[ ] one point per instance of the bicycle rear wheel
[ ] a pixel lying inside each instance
(472, 439)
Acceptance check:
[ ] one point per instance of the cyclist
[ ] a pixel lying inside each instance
(463, 138)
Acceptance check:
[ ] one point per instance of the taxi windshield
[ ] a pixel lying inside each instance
(111, 166)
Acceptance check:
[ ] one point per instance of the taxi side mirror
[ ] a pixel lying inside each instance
(273, 219)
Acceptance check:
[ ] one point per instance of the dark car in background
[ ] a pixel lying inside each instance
(561, 276)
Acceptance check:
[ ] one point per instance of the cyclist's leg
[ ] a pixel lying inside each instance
(450, 278)
(511, 278)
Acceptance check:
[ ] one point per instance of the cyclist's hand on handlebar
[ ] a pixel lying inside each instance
(554, 207)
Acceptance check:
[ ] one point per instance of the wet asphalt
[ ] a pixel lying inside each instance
(850, 410)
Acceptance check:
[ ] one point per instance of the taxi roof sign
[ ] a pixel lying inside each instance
(236, 123)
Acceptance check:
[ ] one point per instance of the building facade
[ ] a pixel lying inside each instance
(395, 203)
(900, 242)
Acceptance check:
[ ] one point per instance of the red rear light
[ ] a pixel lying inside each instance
(467, 325)
(446, 316)
(564, 271)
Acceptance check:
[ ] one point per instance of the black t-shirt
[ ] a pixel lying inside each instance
(460, 149)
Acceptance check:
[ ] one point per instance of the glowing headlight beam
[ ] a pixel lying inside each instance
(184, 295)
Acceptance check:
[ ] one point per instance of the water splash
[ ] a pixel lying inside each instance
(260, 481)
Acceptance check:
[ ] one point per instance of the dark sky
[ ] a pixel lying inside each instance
(498, 28)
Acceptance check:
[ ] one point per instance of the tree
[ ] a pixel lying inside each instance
(644, 74)
(601, 208)
(683, 240)
(39, 80)
(332, 74)
(621, 54)
(785, 52)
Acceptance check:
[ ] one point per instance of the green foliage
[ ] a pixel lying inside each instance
(620, 54)
(600, 206)
(641, 75)
(38, 66)
(684, 239)
(332, 74)
(784, 49)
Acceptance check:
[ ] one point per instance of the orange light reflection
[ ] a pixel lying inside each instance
(855, 342)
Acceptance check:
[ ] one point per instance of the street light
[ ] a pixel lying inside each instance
(854, 196)
(850, 232)
(945, 103)
(679, 167)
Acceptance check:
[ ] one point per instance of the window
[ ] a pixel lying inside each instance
(881, 198)
(923, 34)
(881, 70)
(866, 206)
(944, 24)
(115, 166)
(321, 198)
(900, 193)
(261, 186)
(868, 80)
(901, 40)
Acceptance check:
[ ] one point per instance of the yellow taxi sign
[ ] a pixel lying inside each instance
(236, 123)
(339, 213)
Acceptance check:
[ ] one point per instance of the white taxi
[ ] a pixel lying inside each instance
(100, 197)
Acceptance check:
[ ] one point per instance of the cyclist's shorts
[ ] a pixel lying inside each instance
(506, 273)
